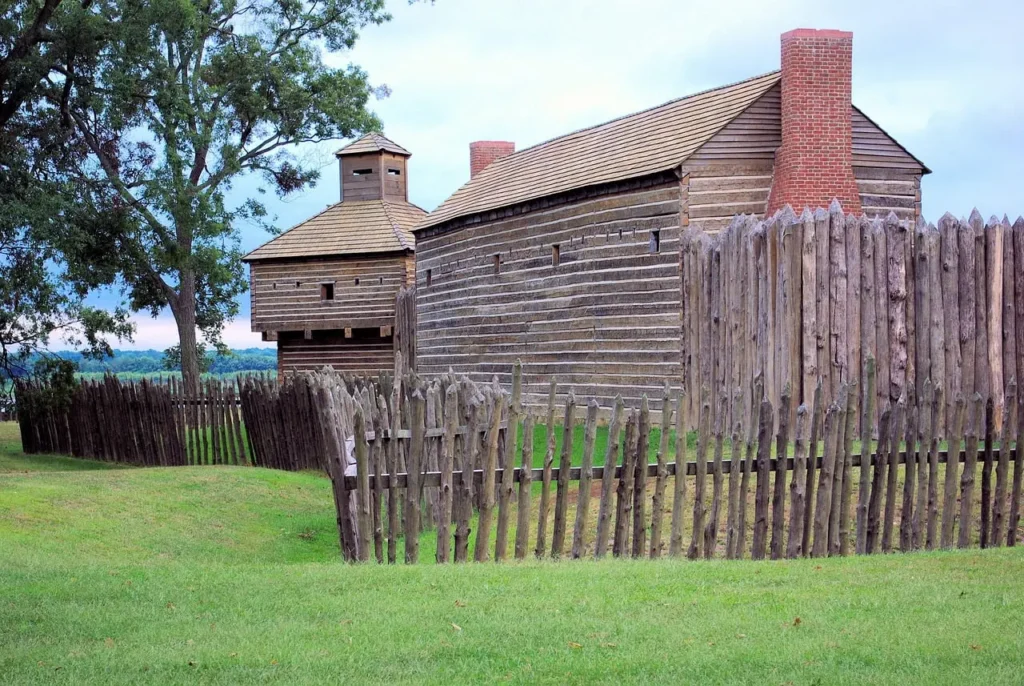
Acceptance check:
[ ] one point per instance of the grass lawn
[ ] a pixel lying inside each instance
(231, 575)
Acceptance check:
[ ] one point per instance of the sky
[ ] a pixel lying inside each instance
(945, 78)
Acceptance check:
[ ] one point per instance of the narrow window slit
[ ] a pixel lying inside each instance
(655, 244)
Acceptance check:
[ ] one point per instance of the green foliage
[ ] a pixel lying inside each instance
(172, 358)
(51, 252)
(137, 364)
(186, 97)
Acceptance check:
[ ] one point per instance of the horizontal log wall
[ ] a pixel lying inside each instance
(286, 296)
(605, 320)
(715, 193)
(366, 352)
(884, 189)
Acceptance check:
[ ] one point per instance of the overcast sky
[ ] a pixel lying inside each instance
(945, 78)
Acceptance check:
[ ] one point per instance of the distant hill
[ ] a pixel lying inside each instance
(146, 362)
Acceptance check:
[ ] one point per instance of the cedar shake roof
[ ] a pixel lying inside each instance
(647, 142)
(346, 228)
(373, 142)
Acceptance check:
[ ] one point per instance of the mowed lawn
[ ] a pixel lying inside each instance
(231, 575)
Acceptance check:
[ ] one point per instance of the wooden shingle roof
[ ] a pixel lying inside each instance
(647, 142)
(373, 142)
(346, 228)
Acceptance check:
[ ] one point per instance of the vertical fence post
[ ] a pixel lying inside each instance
(444, 521)
(640, 479)
(658, 501)
(564, 464)
(483, 526)
(604, 515)
(675, 547)
(952, 469)
(798, 487)
(703, 436)
(766, 423)
(779, 495)
(586, 473)
(545, 490)
(525, 489)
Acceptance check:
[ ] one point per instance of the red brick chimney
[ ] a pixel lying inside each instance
(814, 163)
(482, 153)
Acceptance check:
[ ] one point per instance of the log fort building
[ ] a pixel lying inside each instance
(565, 254)
(325, 290)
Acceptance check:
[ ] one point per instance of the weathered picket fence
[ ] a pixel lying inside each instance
(146, 423)
(798, 298)
(819, 498)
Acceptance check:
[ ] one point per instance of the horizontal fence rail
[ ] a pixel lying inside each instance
(618, 472)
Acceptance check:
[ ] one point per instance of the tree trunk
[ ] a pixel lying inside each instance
(184, 311)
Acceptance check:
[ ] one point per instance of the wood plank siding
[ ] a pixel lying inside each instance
(367, 352)
(601, 317)
(753, 135)
(287, 296)
(732, 173)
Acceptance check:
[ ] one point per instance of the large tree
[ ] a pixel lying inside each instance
(42, 292)
(186, 97)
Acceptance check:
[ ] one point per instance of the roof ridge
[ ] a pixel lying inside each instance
(376, 139)
(643, 111)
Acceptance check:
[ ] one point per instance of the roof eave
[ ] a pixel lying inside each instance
(329, 255)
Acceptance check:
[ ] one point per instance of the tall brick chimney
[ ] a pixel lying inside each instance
(814, 163)
(482, 153)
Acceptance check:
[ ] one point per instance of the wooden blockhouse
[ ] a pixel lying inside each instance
(565, 254)
(325, 289)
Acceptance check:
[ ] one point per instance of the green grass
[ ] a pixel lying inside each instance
(231, 575)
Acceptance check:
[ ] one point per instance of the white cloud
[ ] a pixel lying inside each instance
(528, 70)
(944, 77)
(161, 333)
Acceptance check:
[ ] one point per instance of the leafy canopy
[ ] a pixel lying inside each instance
(51, 252)
(186, 97)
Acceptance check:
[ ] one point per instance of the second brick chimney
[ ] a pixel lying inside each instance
(482, 153)
(814, 163)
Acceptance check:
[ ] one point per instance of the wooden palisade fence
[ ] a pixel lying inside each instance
(762, 486)
(812, 493)
(798, 298)
(141, 423)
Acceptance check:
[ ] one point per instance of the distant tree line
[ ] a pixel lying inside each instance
(154, 362)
